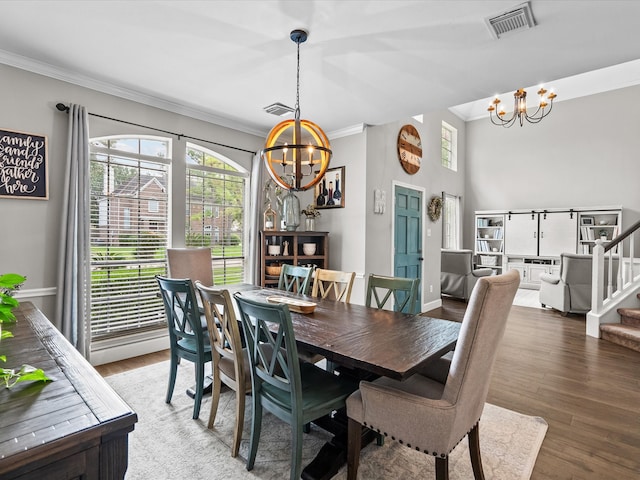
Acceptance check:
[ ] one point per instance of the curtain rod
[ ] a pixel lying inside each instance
(64, 108)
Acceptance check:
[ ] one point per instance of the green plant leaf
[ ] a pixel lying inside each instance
(27, 373)
(11, 280)
(3, 358)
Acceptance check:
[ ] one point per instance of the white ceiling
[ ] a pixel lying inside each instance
(370, 62)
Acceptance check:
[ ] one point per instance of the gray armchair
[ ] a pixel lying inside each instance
(570, 292)
(430, 416)
(457, 275)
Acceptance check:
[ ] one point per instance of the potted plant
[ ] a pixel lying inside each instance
(311, 213)
(9, 283)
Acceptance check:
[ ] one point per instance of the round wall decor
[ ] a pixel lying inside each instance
(409, 149)
(435, 208)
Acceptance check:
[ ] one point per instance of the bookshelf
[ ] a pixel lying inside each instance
(597, 224)
(489, 241)
(292, 254)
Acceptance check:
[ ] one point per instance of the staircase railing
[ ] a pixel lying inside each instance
(607, 283)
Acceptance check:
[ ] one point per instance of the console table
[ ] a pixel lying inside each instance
(75, 427)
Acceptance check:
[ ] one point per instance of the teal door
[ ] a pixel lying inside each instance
(408, 236)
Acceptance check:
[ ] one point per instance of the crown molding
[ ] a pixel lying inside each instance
(48, 70)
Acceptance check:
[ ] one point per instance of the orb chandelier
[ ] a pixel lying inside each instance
(296, 152)
(497, 115)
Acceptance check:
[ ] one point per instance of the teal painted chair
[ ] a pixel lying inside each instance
(404, 292)
(187, 339)
(295, 279)
(295, 392)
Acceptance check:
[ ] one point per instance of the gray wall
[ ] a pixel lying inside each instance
(584, 154)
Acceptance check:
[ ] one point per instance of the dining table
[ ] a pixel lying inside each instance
(362, 341)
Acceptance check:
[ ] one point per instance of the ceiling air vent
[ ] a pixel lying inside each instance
(278, 109)
(518, 18)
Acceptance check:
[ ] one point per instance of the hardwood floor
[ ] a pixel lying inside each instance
(588, 391)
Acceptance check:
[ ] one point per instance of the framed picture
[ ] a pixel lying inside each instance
(23, 165)
(329, 191)
(588, 221)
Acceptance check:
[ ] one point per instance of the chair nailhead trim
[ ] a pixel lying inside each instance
(408, 445)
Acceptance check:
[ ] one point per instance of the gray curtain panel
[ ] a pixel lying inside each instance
(73, 297)
(255, 207)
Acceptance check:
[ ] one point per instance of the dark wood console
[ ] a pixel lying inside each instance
(75, 427)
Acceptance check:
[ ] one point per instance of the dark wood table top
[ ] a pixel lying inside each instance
(382, 342)
(42, 421)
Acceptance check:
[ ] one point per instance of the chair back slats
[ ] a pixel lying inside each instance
(222, 324)
(273, 356)
(181, 308)
(294, 279)
(404, 292)
(333, 284)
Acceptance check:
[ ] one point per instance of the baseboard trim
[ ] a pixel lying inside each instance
(36, 292)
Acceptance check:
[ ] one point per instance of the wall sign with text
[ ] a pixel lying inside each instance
(23, 165)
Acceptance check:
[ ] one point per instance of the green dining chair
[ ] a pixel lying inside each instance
(404, 292)
(295, 279)
(187, 339)
(295, 392)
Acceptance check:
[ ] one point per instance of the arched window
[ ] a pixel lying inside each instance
(215, 211)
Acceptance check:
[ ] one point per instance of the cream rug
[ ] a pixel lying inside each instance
(168, 444)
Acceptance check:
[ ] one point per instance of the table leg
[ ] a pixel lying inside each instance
(333, 454)
(208, 387)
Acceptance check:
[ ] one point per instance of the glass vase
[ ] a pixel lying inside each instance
(291, 211)
(309, 224)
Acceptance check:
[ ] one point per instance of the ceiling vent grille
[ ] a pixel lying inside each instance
(519, 18)
(278, 109)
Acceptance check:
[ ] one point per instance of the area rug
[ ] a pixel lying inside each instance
(168, 444)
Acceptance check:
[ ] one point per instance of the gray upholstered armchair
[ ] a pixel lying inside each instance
(570, 292)
(433, 417)
(457, 275)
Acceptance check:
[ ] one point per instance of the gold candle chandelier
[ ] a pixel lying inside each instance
(297, 152)
(497, 112)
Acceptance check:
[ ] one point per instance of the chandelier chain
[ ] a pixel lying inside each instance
(297, 112)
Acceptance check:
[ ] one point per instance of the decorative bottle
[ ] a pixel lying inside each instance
(291, 211)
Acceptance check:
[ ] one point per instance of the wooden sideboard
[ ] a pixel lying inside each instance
(75, 427)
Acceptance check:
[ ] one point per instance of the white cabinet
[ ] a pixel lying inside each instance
(531, 241)
(544, 234)
(532, 268)
(521, 234)
(558, 233)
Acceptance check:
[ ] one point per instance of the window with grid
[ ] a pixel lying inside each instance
(451, 221)
(449, 147)
(129, 213)
(216, 196)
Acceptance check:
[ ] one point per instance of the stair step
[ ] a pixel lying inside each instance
(625, 335)
(630, 316)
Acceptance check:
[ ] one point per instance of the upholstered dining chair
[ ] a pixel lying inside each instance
(230, 361)
(193, 263)
(295, 392)
(404, 292)
(295, 279)
(187, 339)
(433, 417)
(333, 284)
